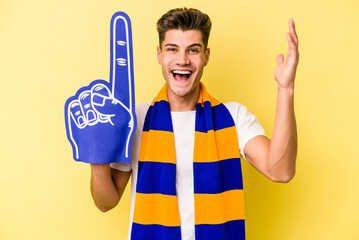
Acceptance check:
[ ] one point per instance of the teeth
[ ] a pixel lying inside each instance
(182, 72)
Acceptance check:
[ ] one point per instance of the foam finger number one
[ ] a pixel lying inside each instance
(100, 118)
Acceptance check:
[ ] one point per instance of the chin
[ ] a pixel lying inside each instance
(178, 91)
(182, 91)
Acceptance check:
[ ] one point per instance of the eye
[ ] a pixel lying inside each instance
(193, 50)
(171, 49)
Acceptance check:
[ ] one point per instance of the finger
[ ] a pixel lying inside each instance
(291, 52)
(280, 59)
(291, 43)
(76, 114)
(104, 103)
(87, 109)
(292, 31)
(73, 117)
(293, 47)
(121, 72)
(99, 94)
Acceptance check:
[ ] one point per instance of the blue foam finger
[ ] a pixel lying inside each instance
(121, 72)
(100, 119)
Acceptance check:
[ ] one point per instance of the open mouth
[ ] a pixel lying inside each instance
(181, 75)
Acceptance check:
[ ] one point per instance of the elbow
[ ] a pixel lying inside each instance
(282, 178)
(282, 171)
(103, 208)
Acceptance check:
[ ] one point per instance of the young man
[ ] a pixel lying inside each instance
(186, 173)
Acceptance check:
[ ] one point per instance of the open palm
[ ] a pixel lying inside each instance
(286, 68)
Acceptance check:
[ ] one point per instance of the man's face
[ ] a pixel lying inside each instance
(183, 58)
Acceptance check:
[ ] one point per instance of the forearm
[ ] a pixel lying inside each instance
(103, 188)
(283, 147)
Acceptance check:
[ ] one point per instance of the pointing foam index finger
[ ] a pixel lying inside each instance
(121, 71)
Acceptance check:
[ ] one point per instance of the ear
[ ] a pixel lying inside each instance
(206, 56)
(159, 55)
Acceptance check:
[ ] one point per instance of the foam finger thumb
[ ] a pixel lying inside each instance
(108, 106)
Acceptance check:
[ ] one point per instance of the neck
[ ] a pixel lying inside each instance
(184, 103)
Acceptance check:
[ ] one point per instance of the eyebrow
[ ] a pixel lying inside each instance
(195, 45)
(171, 45)
(192, 45)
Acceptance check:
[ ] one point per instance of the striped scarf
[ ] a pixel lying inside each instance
(218, 187)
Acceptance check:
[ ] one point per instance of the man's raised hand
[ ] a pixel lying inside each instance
(100, 119)
(286, 69)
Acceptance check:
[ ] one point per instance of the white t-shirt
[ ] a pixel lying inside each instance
(183, 123)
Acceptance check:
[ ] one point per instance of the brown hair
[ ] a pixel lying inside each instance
(184, 19)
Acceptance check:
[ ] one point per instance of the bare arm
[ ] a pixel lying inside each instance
(107, 185)
(276, 158)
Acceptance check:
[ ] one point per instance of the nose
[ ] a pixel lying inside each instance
(182, 59)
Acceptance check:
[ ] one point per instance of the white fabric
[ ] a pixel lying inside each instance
(184, 127)
(184, 141)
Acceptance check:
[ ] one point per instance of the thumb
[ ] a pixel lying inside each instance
(108, 105)
(112, 110)
(280, 59)
(101, 99)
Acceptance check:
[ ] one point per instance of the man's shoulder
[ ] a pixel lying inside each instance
(233, 105)
(141, 111)
(239, 112)
(143, 106)
(235, 108)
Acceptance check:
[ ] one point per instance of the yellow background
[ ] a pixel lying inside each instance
(49, 49)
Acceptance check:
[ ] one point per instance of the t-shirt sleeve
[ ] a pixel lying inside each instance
(121, 166)
(247, 124)
(141, 110)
